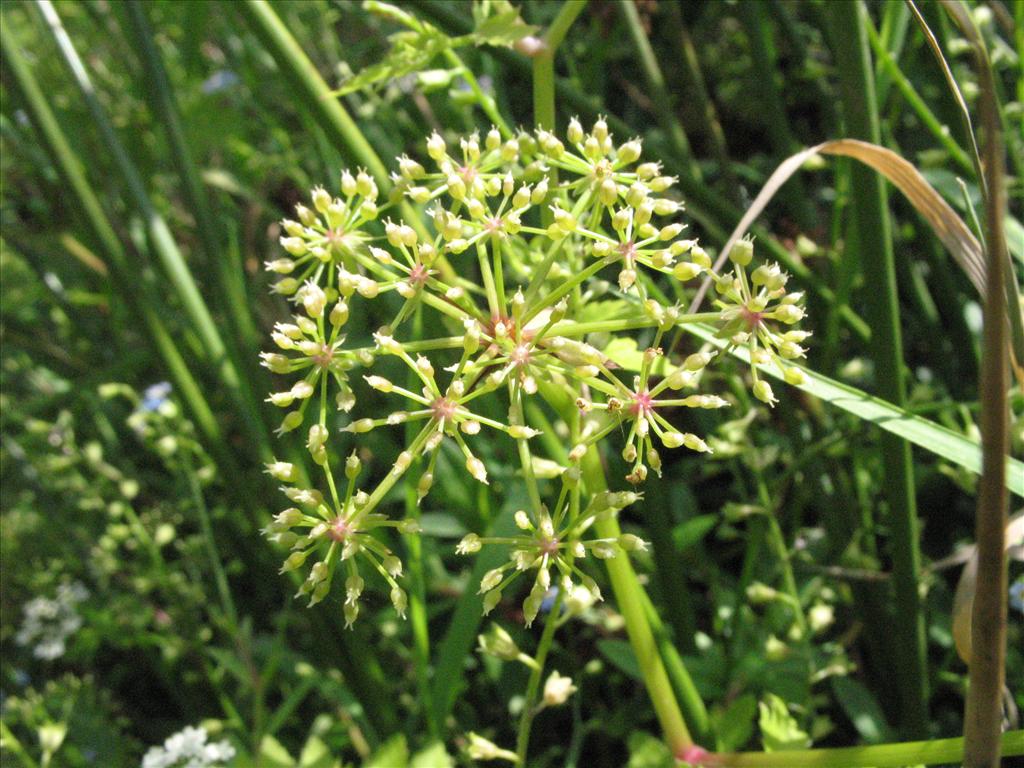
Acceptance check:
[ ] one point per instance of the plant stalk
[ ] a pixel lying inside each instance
(630, 597)
(931, 752)
(533, 686)
(544, 63)
(983, 714)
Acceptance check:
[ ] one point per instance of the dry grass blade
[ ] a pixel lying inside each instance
(951, 230)
(954, 88)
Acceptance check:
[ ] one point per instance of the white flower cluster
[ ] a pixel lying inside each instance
(48, 623)
(188, 748)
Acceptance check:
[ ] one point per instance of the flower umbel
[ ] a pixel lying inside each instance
(531, 257)
(553, 543)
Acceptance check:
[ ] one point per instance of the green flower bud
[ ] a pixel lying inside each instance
(763, 392)
(629, 152)
(742, 252)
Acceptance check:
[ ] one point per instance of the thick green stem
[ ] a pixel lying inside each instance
(544, 63)
(874, 233)
(932, 752)
(630, 597)
(537, 670)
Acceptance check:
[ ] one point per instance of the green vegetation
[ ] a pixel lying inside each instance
(604, 424)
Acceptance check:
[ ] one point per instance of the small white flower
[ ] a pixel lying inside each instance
(557, 689)
(188, 748)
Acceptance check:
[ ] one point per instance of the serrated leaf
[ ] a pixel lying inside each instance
(503, 28)
(434, 756)
(779, 729)
(410, 52)
(736, 723)
(393, 754)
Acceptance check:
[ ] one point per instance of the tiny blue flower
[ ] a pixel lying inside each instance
(549, 600)
(1017, 595)
(221, 80)
(155, 396)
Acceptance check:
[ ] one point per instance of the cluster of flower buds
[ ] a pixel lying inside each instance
(527, 256)
(753, 307)
(325, 233)
(553, 543)
(341, 529)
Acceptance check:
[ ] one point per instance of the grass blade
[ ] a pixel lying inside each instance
(164, 104)
(137, 294)
(874, 236)
(161, 239)
(656, 84)
(926, 434)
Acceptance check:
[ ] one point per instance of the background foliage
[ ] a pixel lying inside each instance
(152, 499)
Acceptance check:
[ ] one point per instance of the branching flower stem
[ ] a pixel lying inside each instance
(530, 704)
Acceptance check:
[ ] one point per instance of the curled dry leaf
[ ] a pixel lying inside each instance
(963, 600)
(951, 230)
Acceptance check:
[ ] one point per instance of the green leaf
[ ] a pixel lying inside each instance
(620, 653)
(503, 28)
(736, 723)
(862, 709)
(273, 755)
(410, 52)
(393, 754)
(779, 729)
(434, 756)
(645, 751)
(316, 754)
(625, 353)
(442, 525)
(943, 442)
(685, 535)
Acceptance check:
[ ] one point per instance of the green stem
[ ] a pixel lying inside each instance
(544, 63)
(418, 590)
(874, 233)
(529, 706)
(690, 702)
(916, 103)
(219, 577)
(931, 752)
(629, 596)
